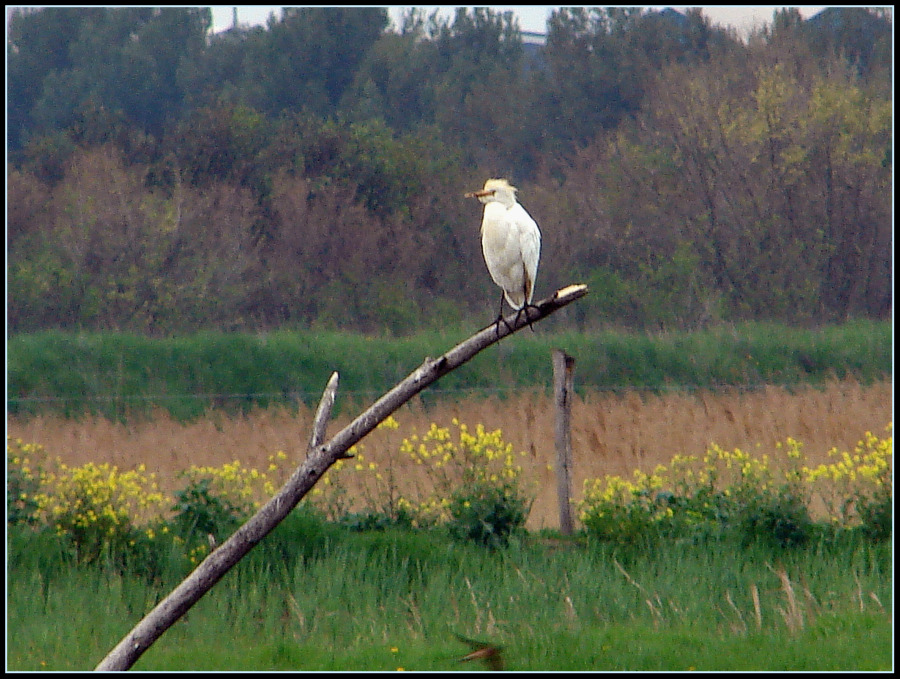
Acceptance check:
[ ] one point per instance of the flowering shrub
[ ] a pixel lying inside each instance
(487, 513)
(24, 463)
(102, 510)
(473, 484)
(622, 511)
(217, 500)
(857, 487)
(97, 506)
(735, 491)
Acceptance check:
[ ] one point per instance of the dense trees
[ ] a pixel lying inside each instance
(775, 196)
(311, 172)
(63, 61)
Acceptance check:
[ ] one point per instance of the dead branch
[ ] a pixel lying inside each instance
(323, 413)
(319, 458)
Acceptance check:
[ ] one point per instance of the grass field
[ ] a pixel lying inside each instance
(314, 596)
(318, 596)
(612, 433)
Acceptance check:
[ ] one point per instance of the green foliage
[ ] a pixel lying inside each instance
(474, 489)
(876, 513)
(24, 463)
(225, 143)
(779, 518)
(310, 173)
(671, 290)
(125, 60)
(487, 513)
(267, 614)
(766, 232)
(611, 296)
(620, 520)
(370, 520)
(735, 495)
(199, 513)
(99, 509)
(121, 375)
(216, 501)
(316, 48)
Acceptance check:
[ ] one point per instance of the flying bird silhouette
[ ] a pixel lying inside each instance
(489, 653)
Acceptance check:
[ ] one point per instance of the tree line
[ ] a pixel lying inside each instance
(310, 173)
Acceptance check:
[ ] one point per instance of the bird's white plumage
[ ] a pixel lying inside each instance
(510, 241)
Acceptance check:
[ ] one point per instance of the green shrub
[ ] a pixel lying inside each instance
(101, 510)
(200, 512)
(877, 516)
(376, 520)
(23, 481)
(732, 493)
(487, 513)
(474, 485)
(217, 500)
(780, 520)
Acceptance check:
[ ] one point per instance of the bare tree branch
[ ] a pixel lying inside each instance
(323, 413)
(320, 458)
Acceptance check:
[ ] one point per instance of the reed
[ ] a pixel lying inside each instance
(612, 433)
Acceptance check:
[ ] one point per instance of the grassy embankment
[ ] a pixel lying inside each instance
(118, 375)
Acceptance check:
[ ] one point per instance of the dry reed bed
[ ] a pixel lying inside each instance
(611, 434)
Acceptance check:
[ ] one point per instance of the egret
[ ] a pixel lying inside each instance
(511, 243)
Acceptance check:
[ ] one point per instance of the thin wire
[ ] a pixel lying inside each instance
(304, 395)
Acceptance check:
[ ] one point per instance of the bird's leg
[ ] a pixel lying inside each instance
(500, 318)
(527, 317)
(524, 310)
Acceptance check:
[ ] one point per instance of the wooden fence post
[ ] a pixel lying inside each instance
(563, 371)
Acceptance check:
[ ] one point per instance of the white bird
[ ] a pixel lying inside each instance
(511, 243)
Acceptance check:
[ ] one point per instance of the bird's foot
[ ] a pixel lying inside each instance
(524, 310)
(499, 320)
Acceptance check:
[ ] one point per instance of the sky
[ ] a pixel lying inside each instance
(532, 17)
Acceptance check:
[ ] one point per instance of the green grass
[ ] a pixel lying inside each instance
(315, 596)
(119, 375)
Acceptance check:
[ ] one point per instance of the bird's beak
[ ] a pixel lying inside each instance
(479, 194)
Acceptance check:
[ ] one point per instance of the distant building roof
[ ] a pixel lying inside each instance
(533, 38)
